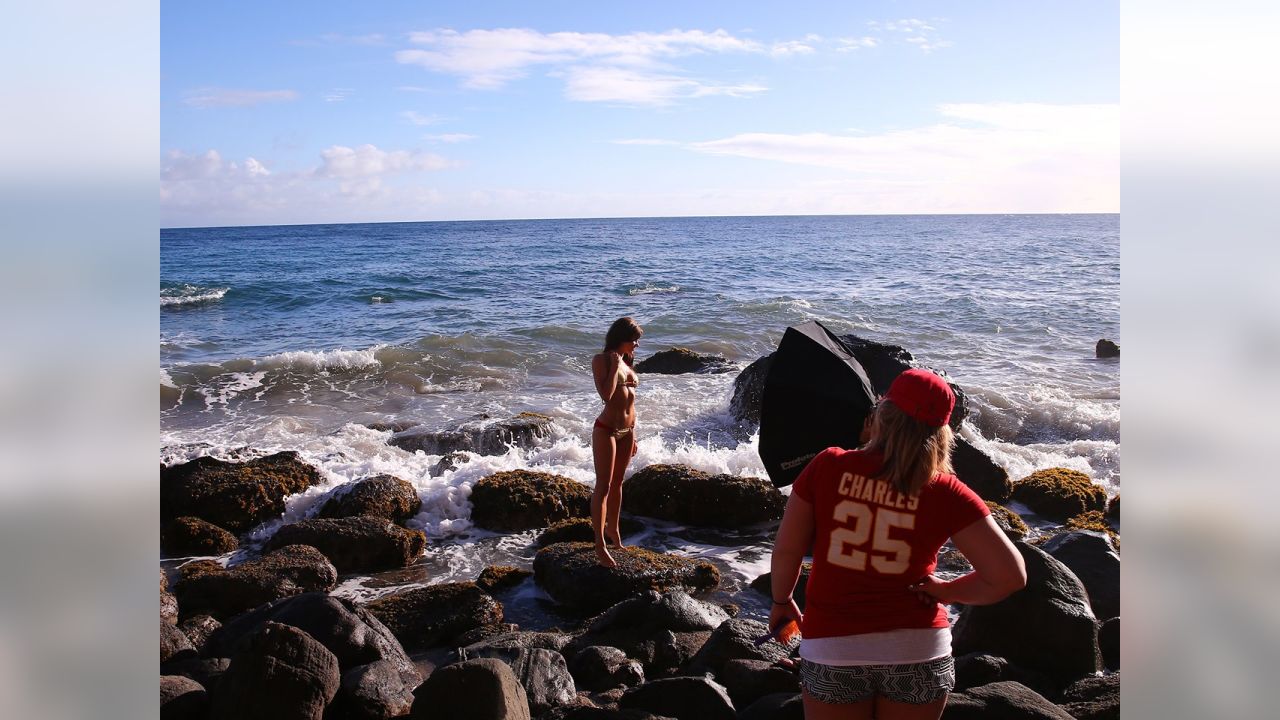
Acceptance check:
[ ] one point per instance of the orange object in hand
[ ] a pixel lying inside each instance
(787, 632)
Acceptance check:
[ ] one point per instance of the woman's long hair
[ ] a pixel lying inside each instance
(913, 451)
(622, 330)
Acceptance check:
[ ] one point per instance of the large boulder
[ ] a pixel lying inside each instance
(660, 630)
(748, 388)
(484, 436)
(436, 614)
(182, 698)
(235, 496)
(1006, 700)
(384, 496)
(352, 633)
(1094, 698)
(206, 671)
(977, 470)
(677, 361)
(749, 680)
(519, 500)
(692, 497)
(1093, 559)
(514, 639)
(600, 667)
(735, 640)
(570, 574)
(1106, 349)
(279, 673)
(496, 578)
(579, 530)
(1059, 493)
(354, 544)
(543, 673)
(208, 588)
(188, 536)
(174, 644)
(1109, 643)
(481, 689)
(373, 692)
(168, 602)
(764, 584)
(776, 706)
(683, 698)
(978, 669)
(1047, 626)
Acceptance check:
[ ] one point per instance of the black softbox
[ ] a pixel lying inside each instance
(815, 396)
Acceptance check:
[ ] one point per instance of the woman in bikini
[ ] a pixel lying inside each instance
(613, 440)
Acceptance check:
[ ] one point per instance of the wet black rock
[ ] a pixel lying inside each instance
(384, 496)
(543, 673)
(600, 667)
(436, 614)
(483, 689)
(1093, 559)
(735, 640)
(1094, 698)
(182, 698)
(373, 692)
(678, 361)
(749, 680)
(977, 470)
(661, 631)
(683, 698)
(279, 673)
(484, 436)
(1106, 349)
(1005, 700)
(1109, 643)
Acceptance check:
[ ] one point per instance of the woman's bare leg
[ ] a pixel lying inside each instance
(604, 450)
(816, 710)
(889, 710)
(613, 508)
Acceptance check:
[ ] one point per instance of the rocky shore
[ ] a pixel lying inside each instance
(263, 637)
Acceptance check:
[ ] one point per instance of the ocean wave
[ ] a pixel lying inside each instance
(322, 359)
(190, 295)
(651, 288)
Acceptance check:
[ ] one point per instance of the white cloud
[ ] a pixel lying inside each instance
(367, 161)
(851, 44)
(337, 94)
(418, 118)
(221, 97)
(791, 47)
(450, 138)
(928, 45)
(628, 87)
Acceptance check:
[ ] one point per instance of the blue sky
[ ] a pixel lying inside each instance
(291, 113)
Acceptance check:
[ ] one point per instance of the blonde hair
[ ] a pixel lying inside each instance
(914, 453)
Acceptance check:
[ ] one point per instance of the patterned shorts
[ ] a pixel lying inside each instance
(914, 683)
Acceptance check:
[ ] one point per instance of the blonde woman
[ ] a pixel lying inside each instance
(613, 439)
(876, 640)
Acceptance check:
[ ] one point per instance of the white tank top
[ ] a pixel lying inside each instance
(894, 647)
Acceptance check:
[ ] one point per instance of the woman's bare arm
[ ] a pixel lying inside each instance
(604, 369)
(795, 538)
(998, 568)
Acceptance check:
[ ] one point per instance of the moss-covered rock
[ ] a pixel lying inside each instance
(188, 536)
(436, 614)
(354, 544)
(497, 578)
(1096, 521)
(1009, 521)
(569, 573)
(235, 496)
(579, 530)
(385, 496)
(519, 500)
(1059, 493)
(1113, 509)
(207, 587)
(678, 360)
(692, 497)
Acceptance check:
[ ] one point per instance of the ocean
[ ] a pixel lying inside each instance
(299, 337)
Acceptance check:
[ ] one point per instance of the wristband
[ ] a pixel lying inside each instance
(784, 602)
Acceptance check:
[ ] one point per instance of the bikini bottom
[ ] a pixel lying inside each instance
(617, 434)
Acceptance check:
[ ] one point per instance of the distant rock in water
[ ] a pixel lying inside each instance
(234, 496)
(483, 436)
(519, 500)
(684, 495)
(569, 573)
(385, 496)
(882, 363)
(677, 361)
(1107, 349)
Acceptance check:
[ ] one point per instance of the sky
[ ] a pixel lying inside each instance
(296, 113)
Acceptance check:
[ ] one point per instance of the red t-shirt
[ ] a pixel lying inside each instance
(870, 542)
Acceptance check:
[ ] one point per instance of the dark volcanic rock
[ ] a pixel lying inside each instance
(569, 573)
(1106, 349)
(206, 671)
(542, 672)
(600, 667)
(182, 698)
(778, 706)
(373, 692)
(1109, 643)
(168, 604)
(677, 361)
(660, 630)
(235, 496)
(450, 461)
(748, 388)
(352, 633)
(199, 629)
(1002, 701)
(496, 578)
(978, 669)
(483, 437)
(1092, 558)
(683, 698)
(579, 530)
(1113, 509)
(354, 544)
(436, 614)
(280, 673)
(1059, 493)
(511, 639)
(764, 584)
(749, 680)
(1009, 521)
(483, 689)
(174, 644)
(384, 496)
(735, 640)
(1047, 626)
(188, 536)
(519, 500)
(208, 588)
(1094, 698)
(692, 497)
(980, 472)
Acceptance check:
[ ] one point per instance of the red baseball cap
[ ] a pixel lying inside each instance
(923, 395)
